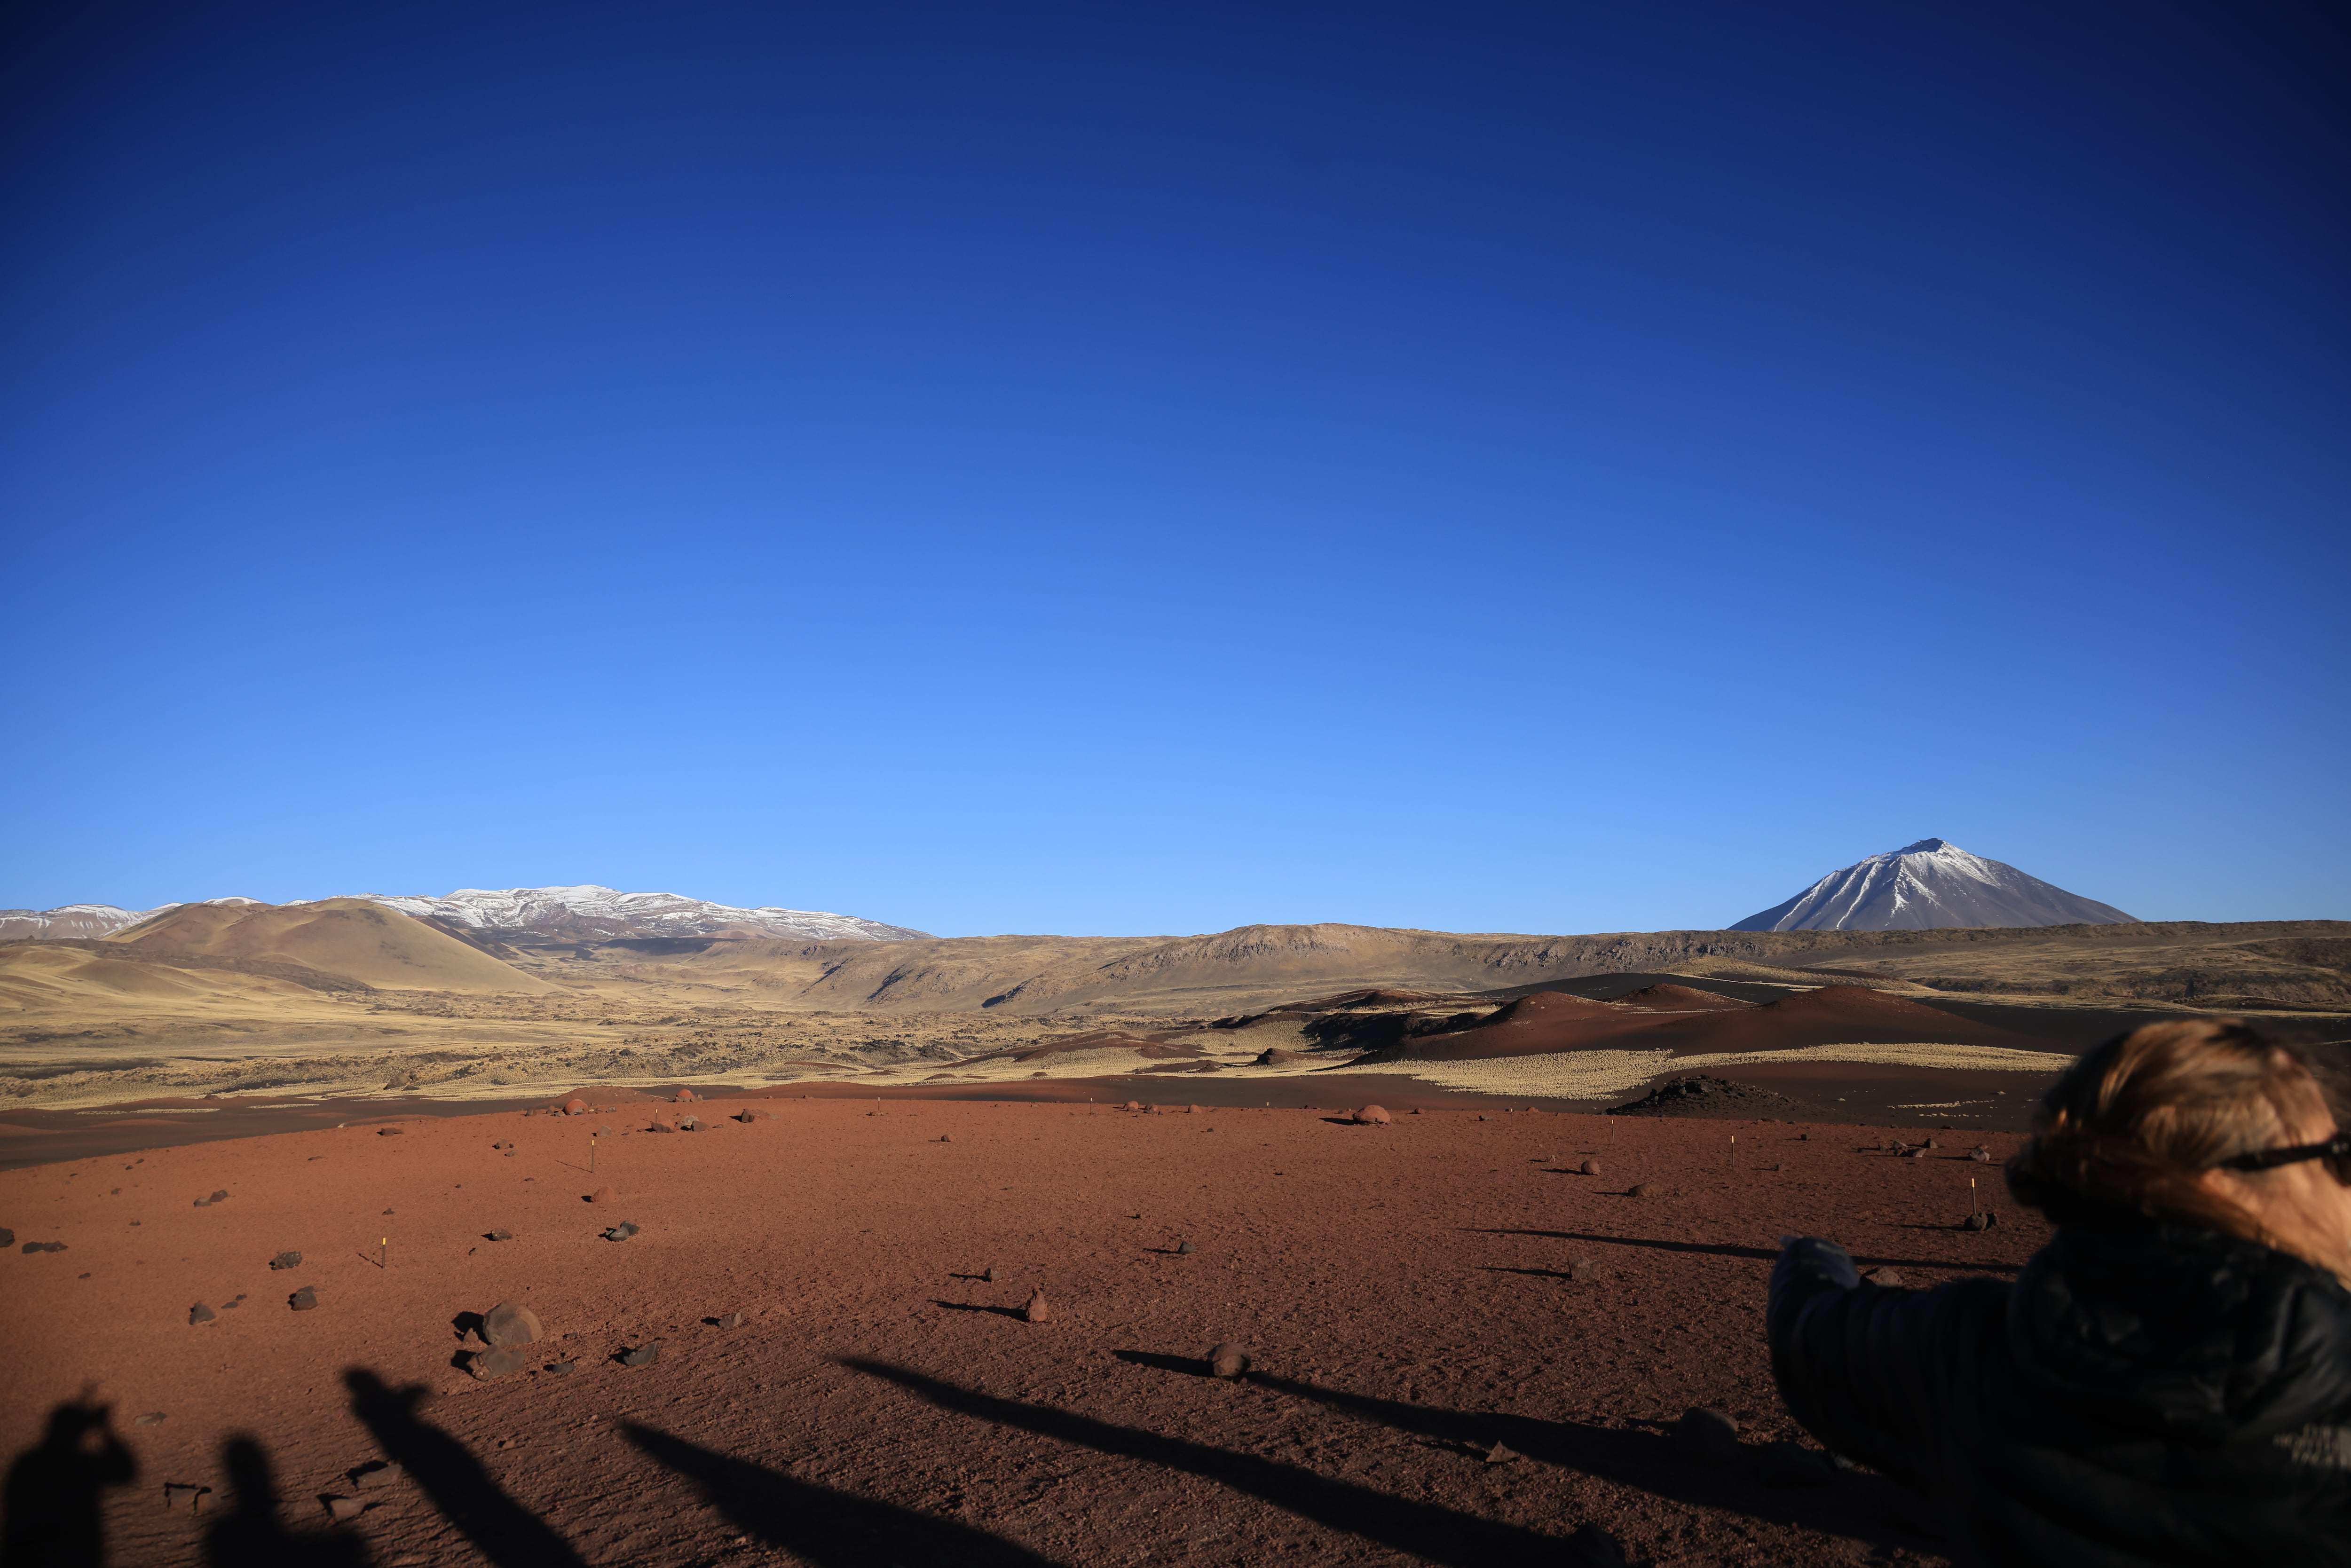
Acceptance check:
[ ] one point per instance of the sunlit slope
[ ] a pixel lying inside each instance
(346, 938)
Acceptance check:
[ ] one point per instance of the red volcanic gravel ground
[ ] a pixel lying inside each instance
(1404, 1293)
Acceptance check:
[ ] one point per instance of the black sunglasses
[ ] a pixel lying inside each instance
(2336, 1151)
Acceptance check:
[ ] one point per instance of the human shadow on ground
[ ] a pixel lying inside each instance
(1760, 1254)
(252, 1536)
(54, 1487)
(1021, 1312)
(501, 1528)
(1862, 1507)
(1422, 1530)
(829, 1529)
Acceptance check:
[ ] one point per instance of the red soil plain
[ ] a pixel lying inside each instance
(1410, 1295)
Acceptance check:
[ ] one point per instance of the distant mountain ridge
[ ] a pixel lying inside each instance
(591, 912)
(586, 913)
(1932, 884)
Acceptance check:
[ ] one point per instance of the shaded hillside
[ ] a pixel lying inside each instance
(1833, 1015)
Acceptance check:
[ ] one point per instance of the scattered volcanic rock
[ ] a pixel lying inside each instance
(1706, 1437)
(511, 1322)
(988, 1275)
(1886, 1278)
(305, 1300)
(8, 1237)
(285, 1261)
(1038, 1311)
(43, 1247)
(1502, 1453)
(645, 1355)
(501, 1234)
(1228, 1360)
(1701, 1095)
(1641, 1189)
(376, 1475)
(730, 1321)
(1982, 1219)
(1184, 1248)
(1372, 1116)
(201, 1313)
(471, 1339)
(1582, 1270)
(387, 1132)
(622, 1231)
(1588, 1168)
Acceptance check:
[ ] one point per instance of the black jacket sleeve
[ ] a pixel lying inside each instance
(1871, 1371)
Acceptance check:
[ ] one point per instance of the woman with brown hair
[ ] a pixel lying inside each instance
(2169, 1381)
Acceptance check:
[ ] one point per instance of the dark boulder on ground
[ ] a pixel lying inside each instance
(498, 1361)
(285, 1261)
(621, 1231)
(201, 1313)
(1702, 1094)
(1228, 1360)
(645, 1355)
(305, 1300)
(512, 1323)
(1705, 1436)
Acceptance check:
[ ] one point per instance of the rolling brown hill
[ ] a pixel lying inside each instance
(2293, 963)
(339, 939)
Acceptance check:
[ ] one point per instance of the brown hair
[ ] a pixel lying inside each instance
(2129, 1127)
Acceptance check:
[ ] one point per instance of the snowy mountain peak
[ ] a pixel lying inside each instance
(590, 912)
(587, 912)
(1928, 885)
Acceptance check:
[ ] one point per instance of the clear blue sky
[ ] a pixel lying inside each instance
(1149, 468)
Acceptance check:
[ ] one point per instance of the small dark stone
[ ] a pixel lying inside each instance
(220, 1197)
(1228, 1360)
(1592, 1547)
(501, 1234)
(387, 1132)
(8, 1237)
(305, 1300)
(1641, 1189)
(1502, 1453)
(1583, 1269)
(731, 1321)
(285, 1261)
(502, 1145)
(500, 1362)
(645, 1355)
(152, 1418)
(562, 1368)
(1983, 1220)
(1183, 1248)
(45, 1247)
(1588, 1168)
(1886, 1278)
(377, 1475)
(1705, 1436)
(343, 1509)
(621, 1231)
(201, 1313)
(1785, 1464)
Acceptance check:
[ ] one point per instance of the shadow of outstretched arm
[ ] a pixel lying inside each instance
(827, 1527)
(254, 1536)
(1423, 1530)
(501, 1528)
(53, 1489)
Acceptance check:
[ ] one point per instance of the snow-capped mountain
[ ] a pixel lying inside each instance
(602, 913)
(566, 913)
(1928, 885)
(68, 920)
